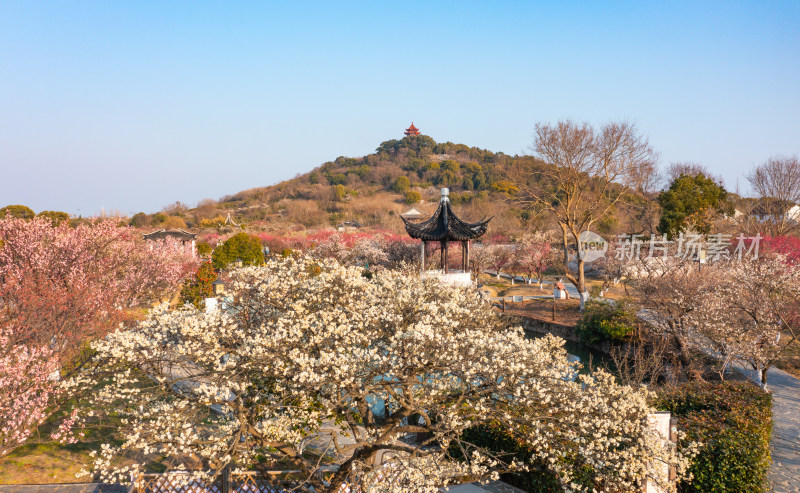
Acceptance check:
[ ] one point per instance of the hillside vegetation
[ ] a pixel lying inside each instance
(374, 190)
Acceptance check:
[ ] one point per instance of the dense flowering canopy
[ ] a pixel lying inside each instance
(313, 367)
(60, 287)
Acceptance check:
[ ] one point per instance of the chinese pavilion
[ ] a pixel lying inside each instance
(443, 227)
(185, 238)
(412, 130)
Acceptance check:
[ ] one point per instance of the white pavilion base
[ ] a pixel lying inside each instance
(455, 277)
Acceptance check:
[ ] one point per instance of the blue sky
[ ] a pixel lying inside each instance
(134, 105)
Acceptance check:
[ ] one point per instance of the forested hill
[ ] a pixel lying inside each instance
(373, 190)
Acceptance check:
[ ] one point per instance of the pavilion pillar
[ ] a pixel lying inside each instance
(466, 255)
(422, 255)
(444, 256)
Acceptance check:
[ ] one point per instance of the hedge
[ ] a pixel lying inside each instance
(733, 422)
(606, 321)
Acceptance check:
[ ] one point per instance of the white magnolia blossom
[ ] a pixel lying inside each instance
(314, 368)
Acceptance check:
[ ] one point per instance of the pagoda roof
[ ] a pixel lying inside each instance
(412, 130)
(444, 225)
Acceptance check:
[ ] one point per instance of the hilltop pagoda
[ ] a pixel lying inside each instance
(443, 227)
(412, 130)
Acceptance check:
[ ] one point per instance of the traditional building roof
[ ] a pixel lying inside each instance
(411, 214)
(444, 225)
(412, 130)
(177, 234)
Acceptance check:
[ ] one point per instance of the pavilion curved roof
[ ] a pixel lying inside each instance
(177, 234)
(412, 130)
(444, 225)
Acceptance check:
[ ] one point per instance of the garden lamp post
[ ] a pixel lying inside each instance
(219, 287)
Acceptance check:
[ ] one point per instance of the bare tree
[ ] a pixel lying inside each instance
(675, 170)
(481, 255)
(671, 295)
(639, 361)
(589, 172)
(777, 186)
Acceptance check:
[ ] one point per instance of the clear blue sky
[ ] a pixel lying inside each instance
(134, 105)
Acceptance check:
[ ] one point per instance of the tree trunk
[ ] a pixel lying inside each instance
(580, 281)
(763, 372)
(584, 298)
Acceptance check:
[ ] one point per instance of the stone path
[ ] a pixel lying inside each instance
(784, 474)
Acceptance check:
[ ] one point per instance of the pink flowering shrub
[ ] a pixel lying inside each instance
(25, 389)
(61, 287)
(788, 246)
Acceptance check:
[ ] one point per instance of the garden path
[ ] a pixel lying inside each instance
(784, 473)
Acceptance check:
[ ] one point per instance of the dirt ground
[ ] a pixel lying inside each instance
(566, 311)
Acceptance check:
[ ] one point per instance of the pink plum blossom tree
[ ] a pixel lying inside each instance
(533, 256)
(61, 287)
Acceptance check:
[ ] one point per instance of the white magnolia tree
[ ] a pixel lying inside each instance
(314, 368)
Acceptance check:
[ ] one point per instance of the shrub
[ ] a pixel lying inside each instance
(158, 218)
(401, 184)
(239, 246)
(139, 220)
(203, 249)
(55, 217)
(173, 222)
(412, 197)
(733, 421)
(339, 192)
(17, 211)
(498, 440)
(200, 287)
(504, 186)
(606, 321)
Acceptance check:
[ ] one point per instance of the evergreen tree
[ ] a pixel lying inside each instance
(687, 203)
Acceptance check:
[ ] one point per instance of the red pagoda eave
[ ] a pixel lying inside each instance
(412, 130)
